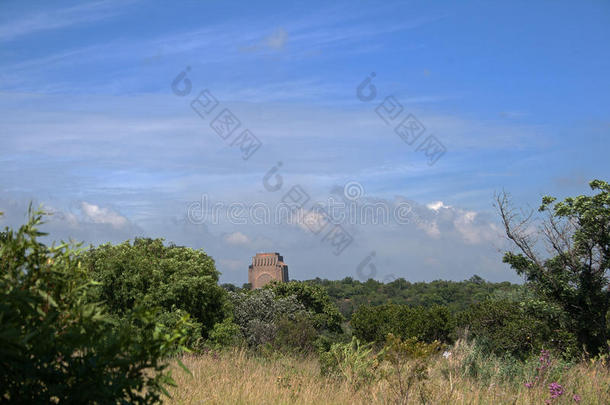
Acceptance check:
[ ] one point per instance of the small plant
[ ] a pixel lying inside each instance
(409, 360)
(556, 390)
(543, 370)
(352, 361)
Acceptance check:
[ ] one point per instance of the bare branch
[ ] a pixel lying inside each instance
(558, 237)
(516, 227)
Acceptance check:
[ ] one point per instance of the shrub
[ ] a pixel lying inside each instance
(149, 274)
(225, 334)
(352, 361)
(296, 335)
(373, 324)
(258, 312)
(409, 360)
(57, 346)
(506, 327)
(315, 300)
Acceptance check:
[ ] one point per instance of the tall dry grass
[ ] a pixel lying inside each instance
(239, 377)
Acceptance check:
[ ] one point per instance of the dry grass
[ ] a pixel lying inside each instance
(236, 377)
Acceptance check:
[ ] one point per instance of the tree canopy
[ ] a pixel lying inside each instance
(149, 274)
(573, 270)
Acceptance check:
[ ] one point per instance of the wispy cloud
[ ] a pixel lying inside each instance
(237, 238)
(52, 19)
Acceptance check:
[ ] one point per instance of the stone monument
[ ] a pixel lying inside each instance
(266, 267)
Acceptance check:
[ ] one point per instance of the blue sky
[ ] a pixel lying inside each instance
(517, 93)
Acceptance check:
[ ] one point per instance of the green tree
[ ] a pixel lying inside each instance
(374, 323)
(574, 273)
(149, 274)
(57, 346)
(257, 313)
(517, 328)
(315, 299)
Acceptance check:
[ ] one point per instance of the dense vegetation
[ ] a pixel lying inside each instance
(100, 325)
(374, 323)
(175, 280)
(350, 294)
(56, 345)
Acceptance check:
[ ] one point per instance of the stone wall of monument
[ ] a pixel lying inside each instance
(266, 267)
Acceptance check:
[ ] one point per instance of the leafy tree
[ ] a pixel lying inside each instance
(519, 329)
(149, 274)
(57, 346)
(257, 313)
(296, 335)
(284, 322)
(230, 287)
(315, 300)
(374, 323)
(225, 334)
(574, 272)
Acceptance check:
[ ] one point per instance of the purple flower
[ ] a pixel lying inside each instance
(545, 359)
(555, 390)
(576, 398)
(529, 384)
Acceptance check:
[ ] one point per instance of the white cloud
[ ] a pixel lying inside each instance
(474, 231)
(437, 205)
(237, 238)
(430, 228)
(102, 215)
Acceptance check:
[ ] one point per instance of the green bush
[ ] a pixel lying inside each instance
(225, 334)
(149, 274)
(374, 323)
(296, 335)
(518, 329)
(349, 294)
(315, 300)
(58, 346)
(409, 360)
(258, 313)
(352, 361)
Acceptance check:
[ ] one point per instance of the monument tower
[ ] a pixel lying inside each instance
(266, 267)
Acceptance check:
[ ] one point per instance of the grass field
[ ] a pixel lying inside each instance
(239, 377)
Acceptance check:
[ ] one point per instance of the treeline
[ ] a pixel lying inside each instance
(349, 294)
(457, 296)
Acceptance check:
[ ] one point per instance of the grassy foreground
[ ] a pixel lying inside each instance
(238, 377)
